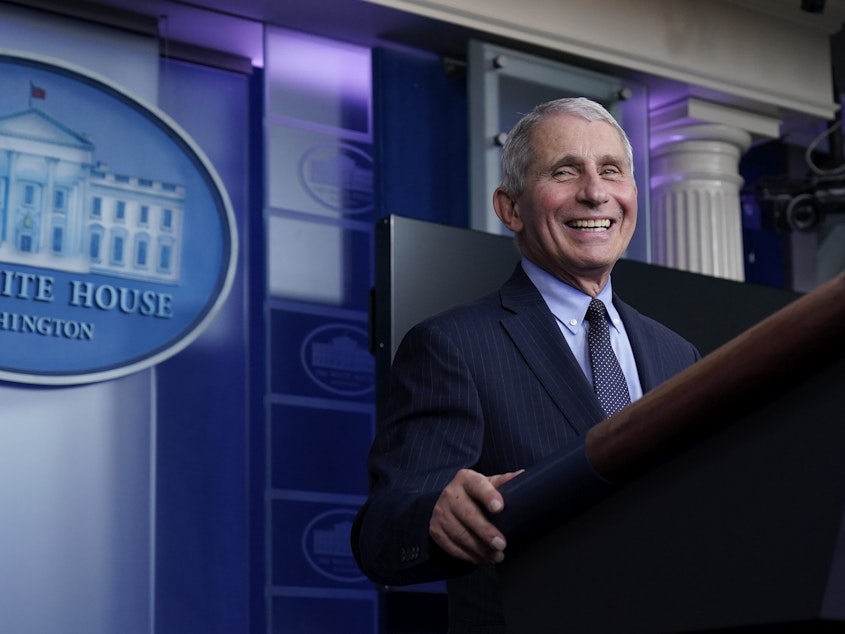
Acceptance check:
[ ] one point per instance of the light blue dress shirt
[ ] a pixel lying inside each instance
(569, 306)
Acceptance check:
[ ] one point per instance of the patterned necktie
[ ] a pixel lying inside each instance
(608, 380)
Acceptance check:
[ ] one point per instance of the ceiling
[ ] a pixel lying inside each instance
(234, 27)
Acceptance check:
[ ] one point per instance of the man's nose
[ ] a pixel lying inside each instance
(593, 190)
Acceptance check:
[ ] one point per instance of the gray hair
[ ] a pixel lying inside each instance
(517, 153)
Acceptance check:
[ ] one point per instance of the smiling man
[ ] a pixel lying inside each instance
(569, 195)
(485, 390)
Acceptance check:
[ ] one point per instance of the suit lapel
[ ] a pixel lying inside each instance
(643, 345)
(534, 332)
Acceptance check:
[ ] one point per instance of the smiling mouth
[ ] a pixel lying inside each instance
(590, 225)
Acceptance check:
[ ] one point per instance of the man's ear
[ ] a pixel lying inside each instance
(505, 207)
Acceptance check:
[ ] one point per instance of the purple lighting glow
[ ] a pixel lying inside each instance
(318, 80)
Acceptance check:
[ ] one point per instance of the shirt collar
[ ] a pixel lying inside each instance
(567, 303)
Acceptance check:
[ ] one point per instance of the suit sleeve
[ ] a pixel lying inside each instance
(433, 428)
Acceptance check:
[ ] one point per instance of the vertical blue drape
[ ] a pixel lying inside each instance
(421, 144)
(202, 510)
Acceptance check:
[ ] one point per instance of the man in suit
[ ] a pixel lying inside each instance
(485, 390)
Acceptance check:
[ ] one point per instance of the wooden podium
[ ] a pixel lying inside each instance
(734, 528)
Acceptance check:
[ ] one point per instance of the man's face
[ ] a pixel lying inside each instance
(579, 208)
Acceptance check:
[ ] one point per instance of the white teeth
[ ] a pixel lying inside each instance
(590, 225)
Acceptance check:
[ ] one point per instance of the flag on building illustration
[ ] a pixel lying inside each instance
(36, 92)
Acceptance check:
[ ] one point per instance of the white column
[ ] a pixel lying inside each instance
(695, 183)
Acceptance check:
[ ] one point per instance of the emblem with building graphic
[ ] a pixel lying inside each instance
(339, 176)
(337, 358)
(117, 239)
(325, 543)
(62, 209)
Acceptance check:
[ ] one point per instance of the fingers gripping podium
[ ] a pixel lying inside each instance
(714, 503)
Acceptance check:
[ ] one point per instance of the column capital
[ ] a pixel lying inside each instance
(700, 152)
(693, 111)
(709, 132)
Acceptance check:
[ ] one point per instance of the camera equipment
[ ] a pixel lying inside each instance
(800, 205)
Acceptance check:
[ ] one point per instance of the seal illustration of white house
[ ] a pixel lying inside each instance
(118, 241)
(62, 209)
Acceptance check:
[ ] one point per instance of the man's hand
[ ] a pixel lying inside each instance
(459, 524)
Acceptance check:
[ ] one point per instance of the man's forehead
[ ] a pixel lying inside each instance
(572, 135)
(565, 122)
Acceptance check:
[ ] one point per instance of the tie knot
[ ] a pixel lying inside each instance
(596, 311)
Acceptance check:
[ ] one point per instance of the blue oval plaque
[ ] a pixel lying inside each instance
(117, 239)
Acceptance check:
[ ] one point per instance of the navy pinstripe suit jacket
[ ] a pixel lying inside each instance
(491, 385)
